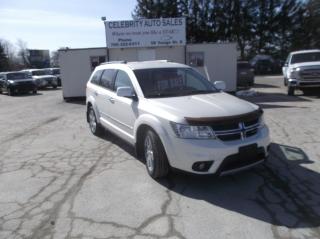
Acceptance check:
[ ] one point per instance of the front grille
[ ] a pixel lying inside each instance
(24, 83)
(310, 74)
(232, 127)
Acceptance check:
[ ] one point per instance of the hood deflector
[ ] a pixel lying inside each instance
(225, 120)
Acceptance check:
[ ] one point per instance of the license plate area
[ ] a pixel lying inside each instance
(248, 151)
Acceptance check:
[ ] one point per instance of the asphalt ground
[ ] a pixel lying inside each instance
(57, 180)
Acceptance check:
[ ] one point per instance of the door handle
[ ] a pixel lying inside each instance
(95, 93)
(111, 100)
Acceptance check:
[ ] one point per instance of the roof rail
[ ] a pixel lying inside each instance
(113, 62)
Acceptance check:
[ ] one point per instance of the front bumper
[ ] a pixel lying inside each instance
(303, 83)
(184, 153)
(23, 88)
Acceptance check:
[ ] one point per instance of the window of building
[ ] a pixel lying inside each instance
(96, 60)
(196, 59)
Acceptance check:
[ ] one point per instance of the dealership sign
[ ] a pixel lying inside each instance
(146, 32)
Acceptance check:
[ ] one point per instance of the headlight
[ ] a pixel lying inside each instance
(262, 123)
(294, 72)
(11, 81)
(192, 132)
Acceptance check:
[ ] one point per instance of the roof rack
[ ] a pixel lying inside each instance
(113, 62)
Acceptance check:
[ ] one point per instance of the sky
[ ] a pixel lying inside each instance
(51, 24)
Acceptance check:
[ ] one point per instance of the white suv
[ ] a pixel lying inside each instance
(176, 118)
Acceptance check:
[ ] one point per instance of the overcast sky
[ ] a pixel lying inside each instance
(50, 24)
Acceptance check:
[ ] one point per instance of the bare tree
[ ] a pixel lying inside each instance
(23, 52)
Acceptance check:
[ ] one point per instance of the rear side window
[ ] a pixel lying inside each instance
(107, 78)
(96, 77)
(121, 80)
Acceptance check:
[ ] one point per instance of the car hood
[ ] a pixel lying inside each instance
(306, 64)
(198, 106)
(24, 80)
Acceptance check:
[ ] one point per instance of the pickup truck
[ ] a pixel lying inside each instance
(302, 71)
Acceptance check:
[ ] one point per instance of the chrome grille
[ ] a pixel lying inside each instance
(310, 74)
(232, 127)
(244, 130)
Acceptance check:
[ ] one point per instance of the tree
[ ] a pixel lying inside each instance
(272, 27)
(4, 61)
(23, 52)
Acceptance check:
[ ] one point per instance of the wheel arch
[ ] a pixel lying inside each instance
(91, 102)
(145, 123)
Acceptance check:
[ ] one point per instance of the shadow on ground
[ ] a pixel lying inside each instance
(281, 192)
(269, 97)
(256, 85)
(26, 94)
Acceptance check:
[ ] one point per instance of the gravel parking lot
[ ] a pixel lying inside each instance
(57, 180)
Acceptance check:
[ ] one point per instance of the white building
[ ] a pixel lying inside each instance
(218, 62)
(148, 39)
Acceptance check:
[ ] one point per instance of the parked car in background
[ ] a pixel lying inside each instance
(176, 118)
(54, 72)
(245, 75)
(42, 78)
(14, 82)
(263, 64)
(302, 71)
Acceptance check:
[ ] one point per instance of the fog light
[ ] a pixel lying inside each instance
(202, 166)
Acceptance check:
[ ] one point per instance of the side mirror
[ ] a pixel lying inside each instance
(126, 91)
(220, 85)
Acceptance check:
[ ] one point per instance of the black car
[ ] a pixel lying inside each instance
(13, 82)
(264, 64)
(245, 74)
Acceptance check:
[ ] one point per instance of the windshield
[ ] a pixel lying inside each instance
(305, 57)
(17, 76)
(39, 73)
(244, 65)
(172, 82)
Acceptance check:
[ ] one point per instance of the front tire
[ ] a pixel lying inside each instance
(285, 82)
(95, 127)
(155, 156)
(10, 92)
(290, 90)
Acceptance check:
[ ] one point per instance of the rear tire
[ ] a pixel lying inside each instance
(155, 156)
(290, 90)
(95, 127)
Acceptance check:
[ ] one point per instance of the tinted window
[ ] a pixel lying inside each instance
(39, 73)
(96, 77)
(16, 76)
(56, 71)
(107, 78)
(244, 65)
(122, 79)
